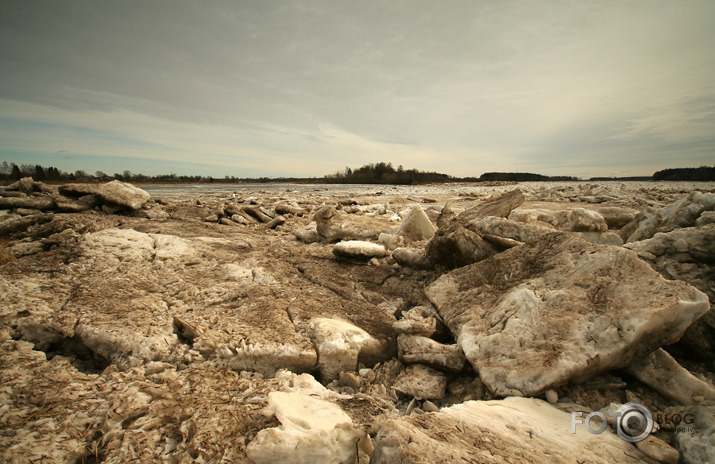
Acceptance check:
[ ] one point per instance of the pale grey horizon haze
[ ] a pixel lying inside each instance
(305, 88)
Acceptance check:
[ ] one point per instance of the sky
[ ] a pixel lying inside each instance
(306, 88)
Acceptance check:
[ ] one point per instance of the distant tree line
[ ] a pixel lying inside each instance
(11, 172)
(384, 173)
(703, 173)
(376, 173)
(520, 177)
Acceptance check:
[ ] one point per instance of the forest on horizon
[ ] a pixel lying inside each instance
(375, 173)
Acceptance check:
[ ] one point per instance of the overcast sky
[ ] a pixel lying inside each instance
(304, 88)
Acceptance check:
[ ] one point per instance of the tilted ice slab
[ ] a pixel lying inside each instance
(312, 430)
(663, 373)
(117, 192)
(502, 431)
(264, 356)
(416, 226)
(536, 316)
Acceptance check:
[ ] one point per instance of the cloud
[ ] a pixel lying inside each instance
(678, 120)
(268, 150)
(305, 88)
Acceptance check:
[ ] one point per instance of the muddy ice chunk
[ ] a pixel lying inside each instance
(116, 192)
(122, 244)
(130, 245)
(377, 209)
(641, 227)
(696, 442)
(573, 219)
(37, 203)
(339, 344)
(128, 345)
(687, 254)
(67, 205)
(171, 247)
(275, 222)
(391, 241)
(255, 335)
(510, 229)
(257, 213)
(27, 185)
(163, 414)
(390, 307)
(290, 208)
(707, 217)
(312, 430)
(88, 200)
(534, 215)
(498, 432)
(302, 383)
(446, 216)
(684, 212)
(228, 222)
(500, 206)
(534, 317)
(350, 379)
(416, 225)
(551, 396)
(213, 218)
(307, 234)
(334, 225)
(420, 312)
(659, 450)
(43, 325)
(601, 238)
(227, 209)
(454, 245)
(358, 249)
(583, 220)
(21, 249)
(25, 374)
(682, 245)
(415, 259)
(234, 212)
(663, 373)
(154, 212)
(240, 219)
(616, 217)
(7, 194)
(261, 353)
(416, 321)
(421, 382)
(237, 272)
(681, 213)
(415, 349)
(502, 243)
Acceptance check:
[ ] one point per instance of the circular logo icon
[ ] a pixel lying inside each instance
(634, 422)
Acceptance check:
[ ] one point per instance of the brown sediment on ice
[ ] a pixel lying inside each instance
(316, 324)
